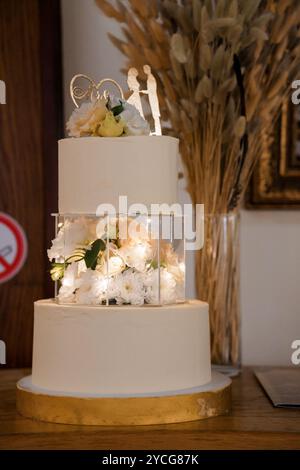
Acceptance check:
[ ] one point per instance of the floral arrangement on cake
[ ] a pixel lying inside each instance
(95, 266)
(107, 117)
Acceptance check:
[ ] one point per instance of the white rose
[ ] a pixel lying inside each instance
(135, 124)
(113, 266)
(85, 120)
(136, 255)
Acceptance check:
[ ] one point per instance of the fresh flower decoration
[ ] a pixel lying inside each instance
(110, 126)
(71, 236)
(93, 266)
(130, 288)
(85, 120)
(134, 123)
(166, 287)
(114, 265)
(107, 117)
(136, 254)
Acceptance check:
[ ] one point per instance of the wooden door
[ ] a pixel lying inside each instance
(30, 124)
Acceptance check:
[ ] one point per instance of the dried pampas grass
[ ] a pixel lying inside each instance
(191, 46)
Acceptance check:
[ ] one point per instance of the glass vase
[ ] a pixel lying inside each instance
(218, 279)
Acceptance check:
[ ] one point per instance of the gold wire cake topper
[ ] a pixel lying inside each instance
(92, 92)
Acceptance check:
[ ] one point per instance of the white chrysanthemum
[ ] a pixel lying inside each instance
(135, 124)
(136, 255)
(113, 288)
(91, 287)
(72, 235)
(167, 286)
(177, 271)
(85, 120)
(68, 284)
(130, 288)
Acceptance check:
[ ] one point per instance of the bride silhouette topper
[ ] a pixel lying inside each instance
(151, 91)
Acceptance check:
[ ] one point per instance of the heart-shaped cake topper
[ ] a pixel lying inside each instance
(92, 89)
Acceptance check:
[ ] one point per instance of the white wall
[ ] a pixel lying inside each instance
(270, 285)
(86, 47)
(270, 240)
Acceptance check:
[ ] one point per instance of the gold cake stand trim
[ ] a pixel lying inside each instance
(116, 411)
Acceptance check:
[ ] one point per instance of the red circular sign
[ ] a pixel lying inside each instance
(13, 247)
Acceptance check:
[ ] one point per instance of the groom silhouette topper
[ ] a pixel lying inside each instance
(151, 92)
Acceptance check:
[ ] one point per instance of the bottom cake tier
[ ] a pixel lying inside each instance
(119, 350)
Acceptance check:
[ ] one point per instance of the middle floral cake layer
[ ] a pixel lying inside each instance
(119, 260)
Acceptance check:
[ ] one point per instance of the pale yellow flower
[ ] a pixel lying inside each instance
(110, 127)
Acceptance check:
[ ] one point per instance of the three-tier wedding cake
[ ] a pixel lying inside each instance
(119, 326)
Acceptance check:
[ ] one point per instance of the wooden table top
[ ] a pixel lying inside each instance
(253, 424)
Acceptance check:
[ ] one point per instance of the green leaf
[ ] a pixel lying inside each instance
(57, 271)
(91, 255)
(76, 256)
(116, 110)
(154, 264)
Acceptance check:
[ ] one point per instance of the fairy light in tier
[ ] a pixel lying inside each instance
(182, 266)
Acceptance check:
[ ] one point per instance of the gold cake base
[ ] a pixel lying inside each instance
(203, 402)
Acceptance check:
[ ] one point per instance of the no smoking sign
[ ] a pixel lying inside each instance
(13, 247)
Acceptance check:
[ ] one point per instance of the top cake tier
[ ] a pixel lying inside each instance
(95, 170)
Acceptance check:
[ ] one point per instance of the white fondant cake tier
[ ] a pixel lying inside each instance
(97, 170)
(120, 349)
